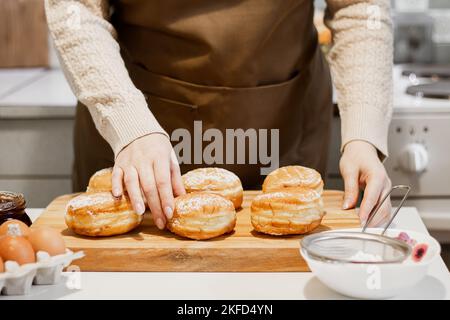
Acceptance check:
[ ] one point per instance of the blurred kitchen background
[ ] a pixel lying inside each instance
(37, 108)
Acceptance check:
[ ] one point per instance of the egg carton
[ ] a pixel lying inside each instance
(47, 270)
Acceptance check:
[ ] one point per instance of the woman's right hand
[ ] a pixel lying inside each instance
(149, 164)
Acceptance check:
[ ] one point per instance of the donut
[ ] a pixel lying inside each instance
(101, 181)
(201, 216)
(287, 212)
(293, 177)
(217, 181)
(101, 214)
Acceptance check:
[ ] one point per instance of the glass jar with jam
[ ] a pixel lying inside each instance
(12, 206)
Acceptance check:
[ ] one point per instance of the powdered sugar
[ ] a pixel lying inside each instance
(303, 195)
(213, 176)
(85, 200)
(295, 176)
(102, 172)
(361, 256)
(198, 201)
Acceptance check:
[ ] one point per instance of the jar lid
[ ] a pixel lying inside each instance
(11, 201)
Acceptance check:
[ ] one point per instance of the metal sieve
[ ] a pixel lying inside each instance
(359, 246)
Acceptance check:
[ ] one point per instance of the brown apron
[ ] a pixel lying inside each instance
(249, 64)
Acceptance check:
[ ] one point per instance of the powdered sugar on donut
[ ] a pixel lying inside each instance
(194, 202)
(303, 196)
(293, 176)
(304, 175)
(101, 172)
(87, 200)
(214, 176)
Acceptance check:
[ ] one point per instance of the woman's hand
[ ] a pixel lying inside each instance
(361, 168)
(149, 168)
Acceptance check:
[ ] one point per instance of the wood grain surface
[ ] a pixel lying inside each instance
(149, 249)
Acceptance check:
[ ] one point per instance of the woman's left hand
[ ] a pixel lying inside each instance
(361, 168)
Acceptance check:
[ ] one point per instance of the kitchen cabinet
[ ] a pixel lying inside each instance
(36, 133)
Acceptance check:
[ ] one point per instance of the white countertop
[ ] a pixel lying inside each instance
(35, 93)
(12, 79)
(200, 285)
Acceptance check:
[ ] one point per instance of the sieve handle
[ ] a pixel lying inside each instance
(374, 211)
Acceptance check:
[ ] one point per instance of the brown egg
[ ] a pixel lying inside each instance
(24, 230)
(48, 240)
(2, 267)
(18, 249)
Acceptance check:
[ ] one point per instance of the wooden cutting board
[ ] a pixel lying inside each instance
(149, 249)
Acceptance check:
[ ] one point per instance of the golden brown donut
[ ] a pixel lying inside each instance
(215, 180)
(101, 214)
(293, 177)
(202, 216)
(101, 181)
(287, 212)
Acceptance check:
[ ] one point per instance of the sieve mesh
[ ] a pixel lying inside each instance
(355, 247)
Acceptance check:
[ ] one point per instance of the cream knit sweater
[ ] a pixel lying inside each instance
(360, 59)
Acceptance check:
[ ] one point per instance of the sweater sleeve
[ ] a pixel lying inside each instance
(361, 61)
(90, 57)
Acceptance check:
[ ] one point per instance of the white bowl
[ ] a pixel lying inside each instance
(375, 281)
